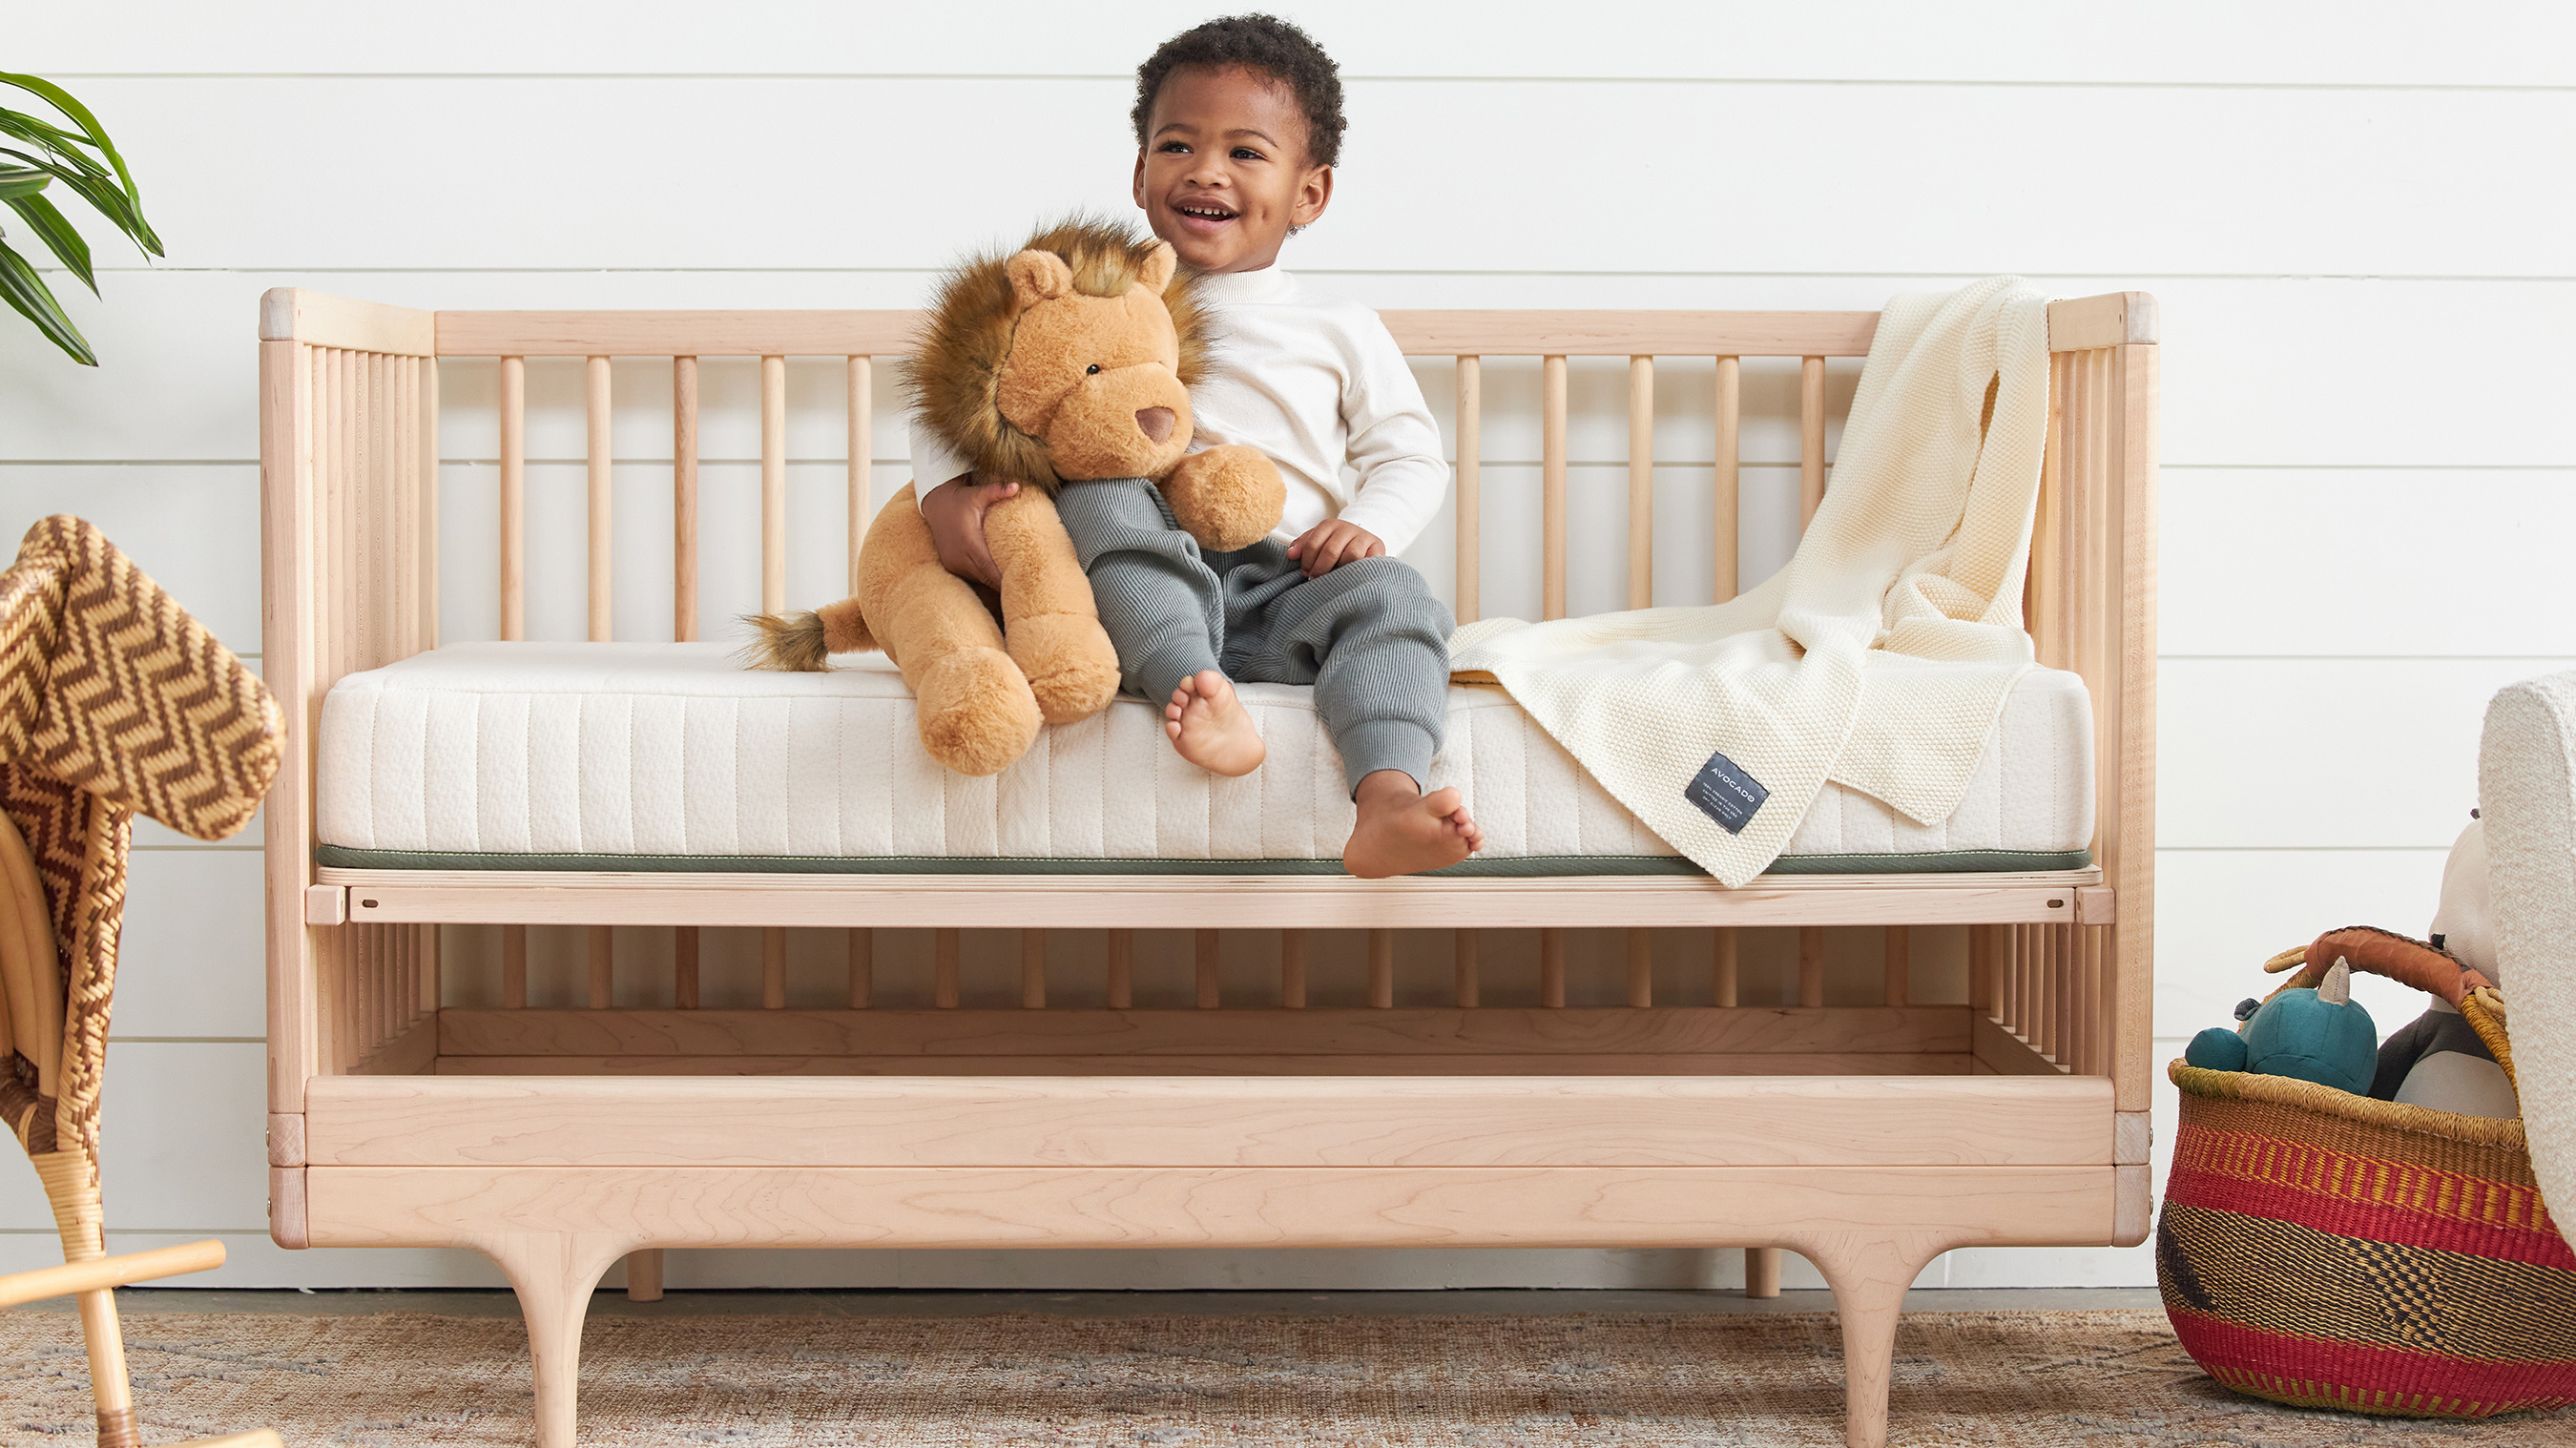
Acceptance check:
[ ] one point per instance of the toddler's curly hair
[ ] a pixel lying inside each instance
(1265, 45)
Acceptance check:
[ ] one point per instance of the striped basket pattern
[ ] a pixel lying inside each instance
(2328, 1250)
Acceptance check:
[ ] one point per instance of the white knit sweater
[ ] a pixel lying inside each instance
(1319, 387)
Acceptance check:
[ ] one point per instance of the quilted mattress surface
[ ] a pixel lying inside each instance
(673, 751)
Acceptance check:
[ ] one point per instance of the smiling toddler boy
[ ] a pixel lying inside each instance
(1238, 127)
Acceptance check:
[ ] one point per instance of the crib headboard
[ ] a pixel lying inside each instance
(350, 460)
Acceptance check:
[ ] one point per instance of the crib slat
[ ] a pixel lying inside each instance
(773, 968)
(1641, 967)
(943, 969)
(1033, 951)
(1205, 962)
(427, 425)
(602, 547)
(514, 497)
(684, 968)
(1811, 965)
(862, 407)
(1981, 970)
(1381, 969)
(1463, 948)
(1811, 438)
(514, 967)
(1723, 966)
(1730, 415)
(1551, 968)
(1292, 969)
(1122, 970)
(863, 967)
(1641, 482)
(684, 499)
(1900, 952)
(773, 484)
(603, 968)
(1552, 493)
(1471, 414)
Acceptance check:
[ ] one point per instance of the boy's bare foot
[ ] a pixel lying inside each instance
(1402, 831)
(1211, 728)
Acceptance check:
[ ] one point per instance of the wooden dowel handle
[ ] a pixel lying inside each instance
(101, 1273)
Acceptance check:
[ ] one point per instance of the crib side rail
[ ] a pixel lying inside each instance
(348, 498)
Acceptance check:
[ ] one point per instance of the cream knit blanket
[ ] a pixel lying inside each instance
(1879, 657)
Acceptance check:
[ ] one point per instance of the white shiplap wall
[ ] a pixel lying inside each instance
(2354, 214)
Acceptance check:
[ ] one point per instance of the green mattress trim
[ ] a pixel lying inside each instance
(1508, 867)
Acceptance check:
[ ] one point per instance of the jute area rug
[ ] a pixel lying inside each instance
(1995, 1380)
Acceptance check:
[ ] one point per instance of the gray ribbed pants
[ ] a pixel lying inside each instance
(1368, 635)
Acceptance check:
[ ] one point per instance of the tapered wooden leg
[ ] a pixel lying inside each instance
(554, 1274)
(644, 1275)
(1761, 1271)
(1869, 1276)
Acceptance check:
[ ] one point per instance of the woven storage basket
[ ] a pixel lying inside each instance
(2329, 1250)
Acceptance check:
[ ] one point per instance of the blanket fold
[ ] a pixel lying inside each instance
(1879, 656)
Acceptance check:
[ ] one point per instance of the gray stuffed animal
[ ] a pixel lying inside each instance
(2438, 1061)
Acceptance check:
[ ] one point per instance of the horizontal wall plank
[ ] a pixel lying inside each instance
(1216, 1121)
(193, 958)
(2323, 753)
(2359, 561)
(183, 1144)
(194, 529)
(2381, 181)
(2221, 913)
(2021, 40)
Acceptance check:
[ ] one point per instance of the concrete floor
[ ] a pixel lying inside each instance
(492, 1303)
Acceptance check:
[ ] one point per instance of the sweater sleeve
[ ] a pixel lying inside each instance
(1394, 444)
(932, 462)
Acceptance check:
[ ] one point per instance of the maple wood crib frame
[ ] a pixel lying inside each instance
(1867, 1138)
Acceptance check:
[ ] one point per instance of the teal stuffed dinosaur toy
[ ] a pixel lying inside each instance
(2321, 1035)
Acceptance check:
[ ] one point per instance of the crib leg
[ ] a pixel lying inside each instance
(554, 1274)
(1869, 1276)
(1761, 1271)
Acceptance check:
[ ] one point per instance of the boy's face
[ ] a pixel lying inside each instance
(1224, 172)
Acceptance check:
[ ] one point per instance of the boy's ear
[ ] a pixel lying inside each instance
(1036, 276)
(1156, 273)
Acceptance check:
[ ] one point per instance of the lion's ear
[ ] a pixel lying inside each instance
(1036, 276)
(1156, 272)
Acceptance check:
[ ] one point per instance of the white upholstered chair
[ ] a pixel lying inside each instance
(2527, 796)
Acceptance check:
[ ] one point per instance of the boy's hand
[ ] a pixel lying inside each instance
(955, 512)
(1330, 544)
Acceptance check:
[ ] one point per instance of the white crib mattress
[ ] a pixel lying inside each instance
(671, 756)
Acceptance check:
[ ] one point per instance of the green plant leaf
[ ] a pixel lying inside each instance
(111, 203)
(67, 245)
(61, 100)
(27, 292)
(16, 181)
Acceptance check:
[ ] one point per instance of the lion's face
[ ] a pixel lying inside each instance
(1096, 379)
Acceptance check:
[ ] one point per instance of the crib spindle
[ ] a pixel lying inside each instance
(514, 967)
(1292, 970)
(1811, 965)
(1641, 482)
(1551, 969)
(773, 484)
(1471, 413)
(1122, 970)
(603, 967)
(684, 967)
(773, 968)
(1981, 970)
(1730, 412)
(1205, 964)
(1899, 964)
(1641, 968)
(1722, 966)
(426, 429)
(602, 545)
(862, 457)
(1811, 438)
(863, 967)
(1462, 953)
(514, 497)
(1552, 492)
(943, 968)
(1381, 969)
(1033, 953)
(684, 499)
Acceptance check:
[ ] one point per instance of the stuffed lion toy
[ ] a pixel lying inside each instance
(1068, 361)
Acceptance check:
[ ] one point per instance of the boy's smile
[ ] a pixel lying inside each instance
(1225, 170)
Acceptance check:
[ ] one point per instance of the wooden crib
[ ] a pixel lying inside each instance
(1866, 1135)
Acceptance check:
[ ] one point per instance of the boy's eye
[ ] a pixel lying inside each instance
(1246, 153)
(1174, 148)
(1094, 367)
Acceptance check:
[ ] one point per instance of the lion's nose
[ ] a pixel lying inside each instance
(1156, 421)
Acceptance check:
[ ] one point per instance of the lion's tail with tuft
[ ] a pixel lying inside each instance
(800, 642)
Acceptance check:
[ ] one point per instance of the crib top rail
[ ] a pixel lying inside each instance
(2076, 325)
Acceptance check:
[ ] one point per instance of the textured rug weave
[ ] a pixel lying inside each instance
(1995, 1380)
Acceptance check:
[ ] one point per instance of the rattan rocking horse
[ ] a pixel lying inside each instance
(113, 702)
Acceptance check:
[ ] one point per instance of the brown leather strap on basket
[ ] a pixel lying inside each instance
(2400, 958)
